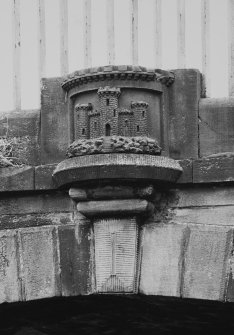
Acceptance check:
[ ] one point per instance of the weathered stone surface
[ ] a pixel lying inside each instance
(16, 179)
(27, 149)
(22, 129)
(43, 177)
(117, 166)
(111, 192)
(116, 254)
(75, 258)
(78, 194)
(36, 203)
(229, 294)
(39, 262)
(206, 262)
(220, 216)
(204, 196)
(19, 123)
(123, 72)
(216, 130)
(162, 259)
(214, 169)
(10, 289)
(184, 96)
(14, 221)
(54, 121)
(112, 207)
(187, 174)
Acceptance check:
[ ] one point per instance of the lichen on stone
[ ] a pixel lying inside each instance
(8, 156)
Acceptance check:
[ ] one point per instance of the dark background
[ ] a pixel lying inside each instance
(106, 314)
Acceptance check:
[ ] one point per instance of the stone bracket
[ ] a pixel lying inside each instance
(115, 207)
(111, 192)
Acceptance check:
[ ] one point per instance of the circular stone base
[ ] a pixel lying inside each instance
(116, 166)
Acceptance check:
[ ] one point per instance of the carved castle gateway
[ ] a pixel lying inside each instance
(110, 119)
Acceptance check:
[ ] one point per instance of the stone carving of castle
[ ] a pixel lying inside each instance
(110, 119)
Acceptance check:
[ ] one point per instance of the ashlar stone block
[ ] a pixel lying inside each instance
(39, 263)
(206, 262)
(162, 259)
(9, 275)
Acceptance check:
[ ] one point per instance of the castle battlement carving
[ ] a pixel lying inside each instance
(110, 119)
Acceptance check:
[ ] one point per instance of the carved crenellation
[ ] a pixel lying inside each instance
(109, 91)
(139, 104)
(86, 107)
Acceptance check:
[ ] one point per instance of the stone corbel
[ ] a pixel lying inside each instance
(116, 213)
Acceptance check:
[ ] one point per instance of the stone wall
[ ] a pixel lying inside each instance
(188, 250)
(47, 247)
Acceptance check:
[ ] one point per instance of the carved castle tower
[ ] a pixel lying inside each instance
(109, 119)
(140, 112)
(82, 120)
(109, 103)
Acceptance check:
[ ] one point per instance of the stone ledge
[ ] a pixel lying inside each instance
(214, 169)
(116, 167)
(43, 177)
(187, 176)
(16, 179)
(218, 168)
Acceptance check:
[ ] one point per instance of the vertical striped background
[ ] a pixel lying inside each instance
(54, 37)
